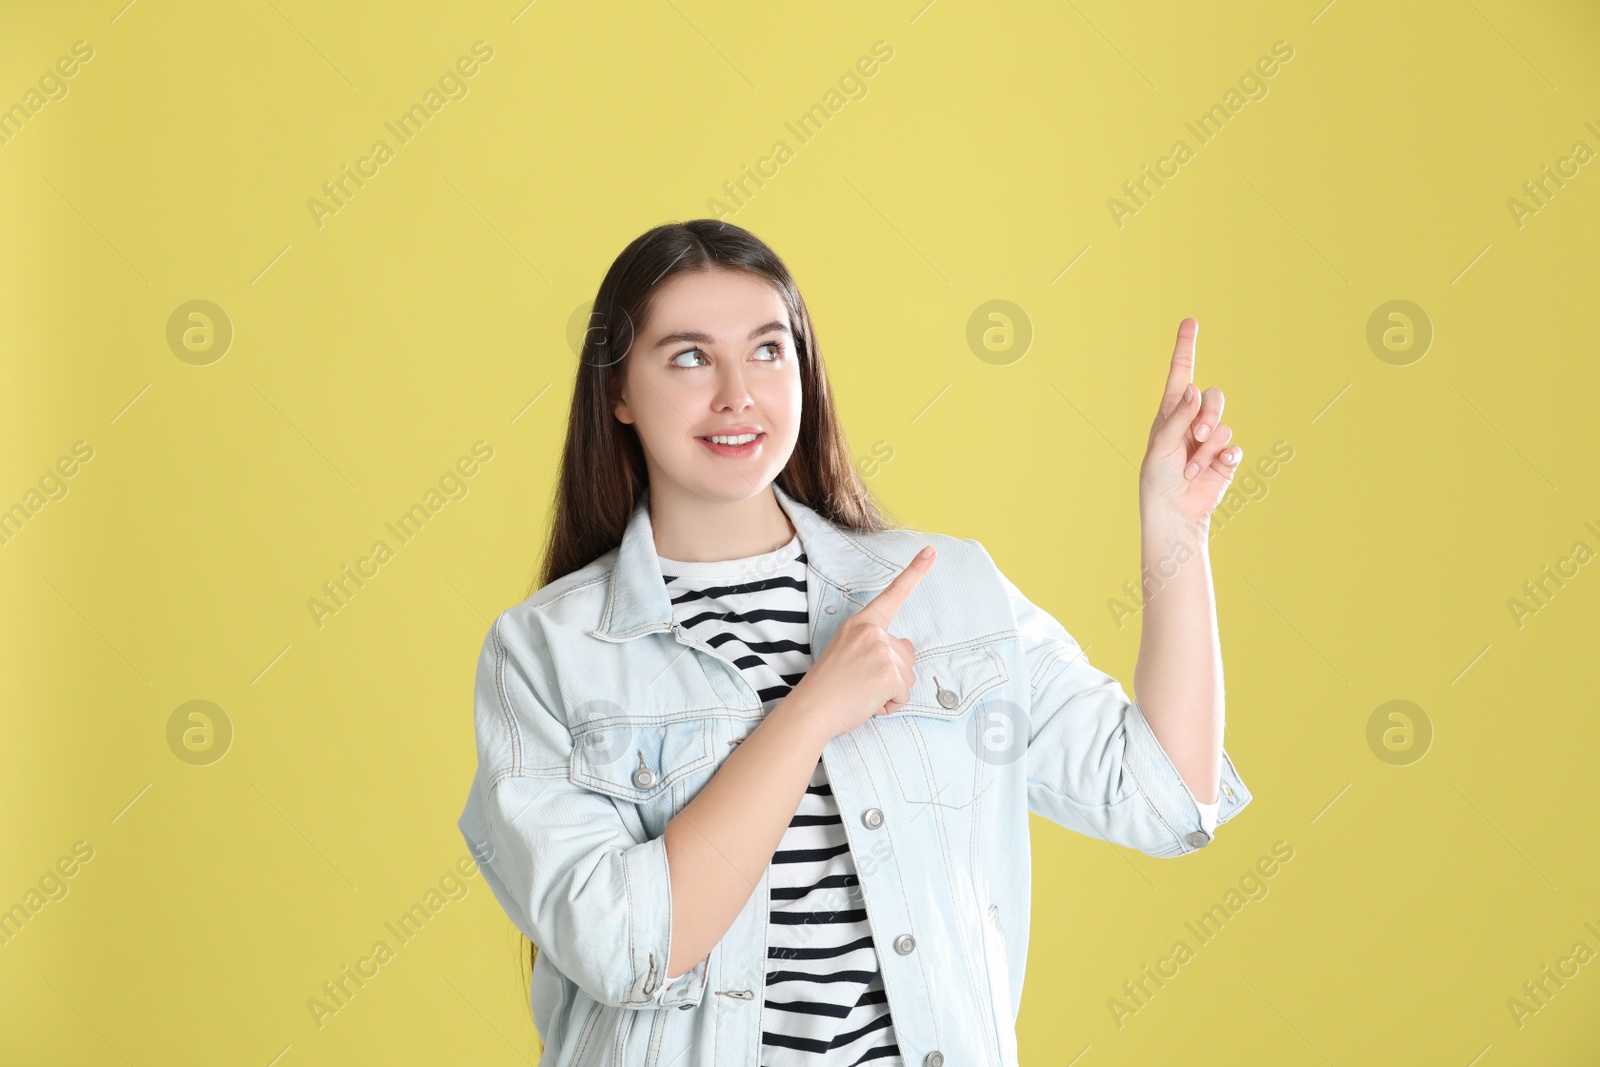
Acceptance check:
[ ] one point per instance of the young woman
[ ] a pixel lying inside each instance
(755, 765)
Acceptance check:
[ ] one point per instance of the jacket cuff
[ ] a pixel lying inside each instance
(646, 899)
(1153, 771)
(650, 909)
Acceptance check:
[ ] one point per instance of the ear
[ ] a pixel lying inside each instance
(621, 411)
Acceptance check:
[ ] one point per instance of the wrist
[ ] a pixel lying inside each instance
(1168, 545)
(798, 718)
(1162, 526)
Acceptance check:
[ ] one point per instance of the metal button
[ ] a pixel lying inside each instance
(933, 1059)
(831, 608)
(1228, 791)
(947, 699)
(685, 1007)
(1198, 839)
(873, 818)
(644, 777)
(904, 944)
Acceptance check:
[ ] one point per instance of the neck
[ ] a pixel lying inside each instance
(696, 529)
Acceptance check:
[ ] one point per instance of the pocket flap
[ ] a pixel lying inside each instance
(637, 762)
(950, 681)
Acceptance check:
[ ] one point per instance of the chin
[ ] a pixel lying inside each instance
(731, 491)
(730, 486)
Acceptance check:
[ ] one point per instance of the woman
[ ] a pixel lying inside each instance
(753, 753)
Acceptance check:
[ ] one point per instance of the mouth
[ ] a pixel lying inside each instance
(734, 446)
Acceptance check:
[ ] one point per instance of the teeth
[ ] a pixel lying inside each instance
(741, 439)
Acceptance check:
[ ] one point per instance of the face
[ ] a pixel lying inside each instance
(716, 359)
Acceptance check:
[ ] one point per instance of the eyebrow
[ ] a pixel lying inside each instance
(706, 339)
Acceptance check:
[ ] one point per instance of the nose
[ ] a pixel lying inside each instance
(731, 394)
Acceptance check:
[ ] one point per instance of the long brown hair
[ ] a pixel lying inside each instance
(603, 471)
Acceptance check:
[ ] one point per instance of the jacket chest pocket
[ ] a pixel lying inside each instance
(654, 765)
(956, 723)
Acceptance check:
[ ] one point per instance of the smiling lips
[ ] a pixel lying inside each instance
(733, 445)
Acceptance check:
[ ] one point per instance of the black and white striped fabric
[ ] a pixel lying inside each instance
(824, 1003)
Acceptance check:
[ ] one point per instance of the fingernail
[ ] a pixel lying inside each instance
(1202, 432)
(1231, 456)
(1191, 470)
(1188, 393)
(926, 553)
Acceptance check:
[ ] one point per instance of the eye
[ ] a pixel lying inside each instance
(687, 352)
(777, 347)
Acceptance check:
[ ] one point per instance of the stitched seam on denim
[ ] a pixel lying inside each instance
(537, 607)
(825, 580)
(961, 646)
(1127, 765)
(1228, 763)
(1057, 652)
(1008, 1004)
(588, 1030)
(652, 1052)
(627, 886)
(505, 698)
(596, 580)
(619, 1036)
(950, 879)
(1236, 801)
(812, 621)
(604, 625)
(977, 867)
(605, 722)
(608, 787)
(920, 746)
(934, 807)
(862, 548)
(650, 628)
(993, 681)
(558, 773)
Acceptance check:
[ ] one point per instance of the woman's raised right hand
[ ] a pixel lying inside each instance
(865, 670)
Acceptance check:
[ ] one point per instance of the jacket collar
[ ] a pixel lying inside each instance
(638, 602)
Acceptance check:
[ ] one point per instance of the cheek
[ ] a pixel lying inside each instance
(657, 405)
(781, 398)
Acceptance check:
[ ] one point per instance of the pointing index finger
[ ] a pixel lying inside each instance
(1182, 370)
(884, 606)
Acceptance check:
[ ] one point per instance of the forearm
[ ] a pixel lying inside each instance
(720, 844)
(1178, 678)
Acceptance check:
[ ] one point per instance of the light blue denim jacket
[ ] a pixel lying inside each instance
(598, 719)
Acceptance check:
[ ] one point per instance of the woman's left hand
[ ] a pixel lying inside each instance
(1187, 464)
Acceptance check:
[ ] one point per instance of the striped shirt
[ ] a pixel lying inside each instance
(824, 1004)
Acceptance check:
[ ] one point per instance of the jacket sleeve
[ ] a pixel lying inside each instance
(558, 856)
(1093, 764)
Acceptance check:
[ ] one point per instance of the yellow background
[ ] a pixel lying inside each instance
(433, 311)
